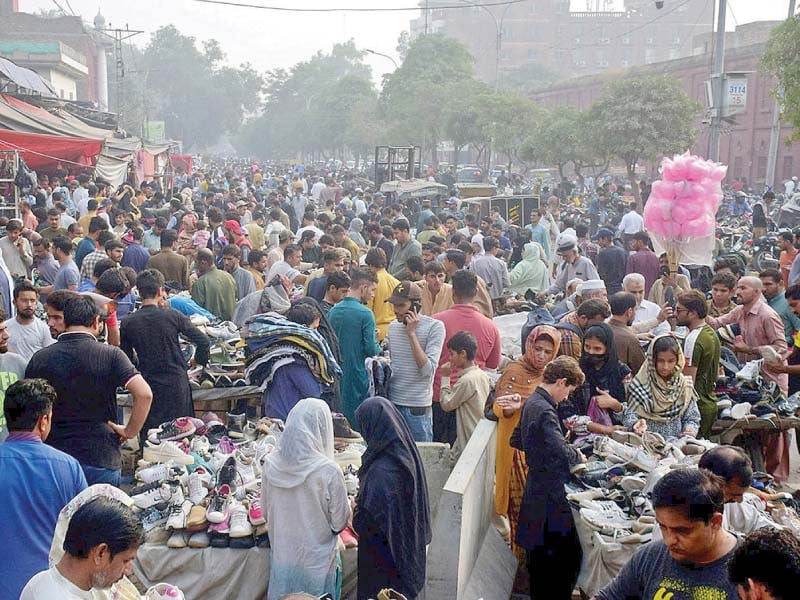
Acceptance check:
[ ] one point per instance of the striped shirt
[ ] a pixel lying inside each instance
(411, 385)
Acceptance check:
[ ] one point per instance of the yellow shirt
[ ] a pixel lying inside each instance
(255, 233)
(352, 248)
(383, 311)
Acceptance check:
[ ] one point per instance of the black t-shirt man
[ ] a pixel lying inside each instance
(85, 375)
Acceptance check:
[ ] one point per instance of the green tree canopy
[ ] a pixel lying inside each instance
(644, 118)
(781, 60)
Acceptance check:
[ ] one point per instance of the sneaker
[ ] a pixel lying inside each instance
(165, 591)
(254, 512)
(226, 446)
(199, 425)
(227, 473)
(153, 517)
(158, 492)
(178, 514)
(269, 426)
(240, 522)
(199, 539)
(210, 418)
(351, 481)
(236, 425)
(724, 403)
(248, 475)
(219, 534)
(157, 536)
(199, 482)
(166, 452)
(351, 455)
(196, 521)
(750, 371)
(215, 432)
(159, 472)
(342, 430)
(177, 429)
(201, 445)
(219, 506)
(178, 539)
(217, 460)
(249, 432)
(607, 519)
(740, 411)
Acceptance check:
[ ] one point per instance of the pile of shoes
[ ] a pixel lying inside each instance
(612, 489)
(743, 393)
(199, 480)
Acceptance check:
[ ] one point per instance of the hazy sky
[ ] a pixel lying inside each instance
(270, 39)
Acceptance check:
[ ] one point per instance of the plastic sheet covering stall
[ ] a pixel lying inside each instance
(112, 169)
(47, 151)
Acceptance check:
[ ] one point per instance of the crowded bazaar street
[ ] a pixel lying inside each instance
(506, 308)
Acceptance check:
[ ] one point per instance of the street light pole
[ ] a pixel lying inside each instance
(775, 132)
(717, 82)
(394, 62)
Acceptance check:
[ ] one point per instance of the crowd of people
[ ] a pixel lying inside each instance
(99, 285)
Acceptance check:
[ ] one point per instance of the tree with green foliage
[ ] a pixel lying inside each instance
(415, 97)
(462, 115)
(508, 120)
(644, 118)
(528, 78)
(781, 60)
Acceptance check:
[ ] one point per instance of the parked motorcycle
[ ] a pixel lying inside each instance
(766, 254)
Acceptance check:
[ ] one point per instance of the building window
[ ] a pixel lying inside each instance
(737, 167)
(70, 96)
(649, 56)
(531, 53)
(761, 172)
(788, 167)
(601, 59)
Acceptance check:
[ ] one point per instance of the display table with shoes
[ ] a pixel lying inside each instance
(749, 433)
(219, 400)
(220, 572)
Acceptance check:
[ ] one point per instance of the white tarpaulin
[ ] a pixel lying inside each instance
(111, 169)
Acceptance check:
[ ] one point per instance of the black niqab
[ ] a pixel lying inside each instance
(393, 489)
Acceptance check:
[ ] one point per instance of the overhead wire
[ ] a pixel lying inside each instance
(355, 10)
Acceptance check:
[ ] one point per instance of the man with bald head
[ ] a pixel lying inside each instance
(215, 290)
(760, 326)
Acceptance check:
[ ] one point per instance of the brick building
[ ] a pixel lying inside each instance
(547, 33)
(744, 144)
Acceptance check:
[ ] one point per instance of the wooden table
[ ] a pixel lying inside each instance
(749, 433)
(219, 400)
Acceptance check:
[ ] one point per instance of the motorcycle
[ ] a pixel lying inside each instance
(765, 251)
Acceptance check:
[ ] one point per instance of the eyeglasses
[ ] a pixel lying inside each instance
(679, 310)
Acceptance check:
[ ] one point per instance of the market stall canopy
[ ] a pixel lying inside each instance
(47, 151)
(25, 78)
(414, 188)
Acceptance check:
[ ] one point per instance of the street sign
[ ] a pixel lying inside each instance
(735, 100)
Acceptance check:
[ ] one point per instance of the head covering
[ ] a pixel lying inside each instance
(393, 490)
(530, 343)
(603, 233)
(566, 242)
(305, 446)
(404, 291)
(354, 232)
(657, 399)
(356, 224)
(531, 272)
(477, 239)
(233, 226)
(611, 372)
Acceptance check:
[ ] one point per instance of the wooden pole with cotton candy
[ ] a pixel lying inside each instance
(680, 213)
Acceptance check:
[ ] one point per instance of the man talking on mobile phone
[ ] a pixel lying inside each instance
(415, 344)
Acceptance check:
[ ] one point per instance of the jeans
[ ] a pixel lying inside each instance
(101, 475)
(419, 421)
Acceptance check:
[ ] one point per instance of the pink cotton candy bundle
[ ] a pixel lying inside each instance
(684, 203)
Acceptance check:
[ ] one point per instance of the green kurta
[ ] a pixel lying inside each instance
(354, 324)
(216, 292)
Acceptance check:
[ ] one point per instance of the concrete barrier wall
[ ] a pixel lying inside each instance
(467, 558)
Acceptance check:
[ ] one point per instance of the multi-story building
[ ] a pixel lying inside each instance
(744, 145)
(506, 37)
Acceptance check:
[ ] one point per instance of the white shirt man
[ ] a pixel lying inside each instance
(316, 190)
(631, 223)
(647, 313)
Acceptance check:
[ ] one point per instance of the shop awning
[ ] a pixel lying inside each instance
(25, 78)
(46, 151)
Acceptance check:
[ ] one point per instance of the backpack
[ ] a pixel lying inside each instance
(536, 317)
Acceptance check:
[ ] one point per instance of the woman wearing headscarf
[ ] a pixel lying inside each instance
(531, 272)
(354, 232)
(301, 484)
(186, 236)
(661, 398)
(516, 384)
(391, 518)
(596, 407)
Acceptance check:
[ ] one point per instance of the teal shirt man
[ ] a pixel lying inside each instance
(354, 324)
(791, 322)
(539, 234)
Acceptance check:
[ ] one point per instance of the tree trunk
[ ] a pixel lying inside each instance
(631, 167)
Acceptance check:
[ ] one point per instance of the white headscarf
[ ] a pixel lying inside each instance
(305, 445)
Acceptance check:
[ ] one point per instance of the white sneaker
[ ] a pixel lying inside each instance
(166, 452)
(741, 410)
(240, 523)
(219, 507)
(178, 539)
(199, 539)
(217, 460)
(199, 482)
(154, 493)
(178, 513)
(750, 371)
(159, 472)
(201, 445)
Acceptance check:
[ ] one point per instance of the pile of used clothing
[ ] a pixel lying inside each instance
(199, 482)
(273, 342)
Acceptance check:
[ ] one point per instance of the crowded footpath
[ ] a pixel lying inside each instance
(222, 385)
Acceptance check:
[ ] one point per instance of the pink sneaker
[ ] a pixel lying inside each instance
(176, 429)
(254, 512)
(199, 425)
(210, 417)
(226, 446)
